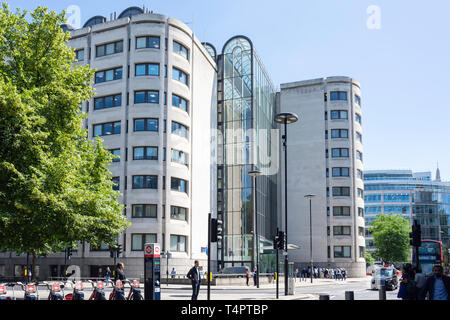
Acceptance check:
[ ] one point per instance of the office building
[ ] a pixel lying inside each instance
(325, 159)
(414, 195)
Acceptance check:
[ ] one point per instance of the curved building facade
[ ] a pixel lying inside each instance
(325, 159)
(155, 109)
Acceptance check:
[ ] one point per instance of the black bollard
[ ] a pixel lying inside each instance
(382, 290)
(349, 295)
(324, 297)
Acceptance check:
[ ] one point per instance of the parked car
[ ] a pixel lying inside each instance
(386, 274)
(240, 271)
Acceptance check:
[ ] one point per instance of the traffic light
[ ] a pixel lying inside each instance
(279, 241)
(216, 230)
(119, 250)
(111, 252)
(69, 252)
(415, 235)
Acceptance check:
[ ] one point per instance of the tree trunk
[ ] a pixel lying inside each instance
(33, 268)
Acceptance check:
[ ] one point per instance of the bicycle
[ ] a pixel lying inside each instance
(118, 291)
(98, 293)
(135, 292)
(31, 291)
(55, 291)
(77, 293)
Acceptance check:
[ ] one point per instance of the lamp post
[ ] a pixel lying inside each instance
(310, 196)
(254, 174)
(285, 118)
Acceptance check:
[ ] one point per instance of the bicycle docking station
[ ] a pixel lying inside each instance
(152, 271)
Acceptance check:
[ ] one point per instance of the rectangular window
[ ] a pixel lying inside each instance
(144, 211)
(358, 118)
(177, 184)
(116, 183)
(326, 134)
(181, 50)
(108, 102)
(372, 198)
(178, 213)
(340, 153)
(138, 240)
(177, 243)
(108, 75)
(147, 96)
(361, 231)
(145, 153)
(146, 124)
(106, 129)
(147, 69)
(341, 172)
(339, 114)
(360, 212)
(359, 155)
(359, 136)
(341, 191)
(342, 251)
(338, 95)
(179, 129)
(341, 230)
(79, 54)
(109, 48)
(179, 75)
(339, 133)
(179, 102)
(359, 174)
(115, 152)
(341, 211)
(147, 42)
(179, 157)
(360, 193)
(362, 252)
(145, 182)
(357, 100)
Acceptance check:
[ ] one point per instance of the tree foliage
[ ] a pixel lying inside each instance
(391, 237)
(55, 186)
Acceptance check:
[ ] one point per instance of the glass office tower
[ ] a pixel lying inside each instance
(246, 109)
(413, 195)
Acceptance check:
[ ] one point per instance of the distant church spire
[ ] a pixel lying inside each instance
(438, 173)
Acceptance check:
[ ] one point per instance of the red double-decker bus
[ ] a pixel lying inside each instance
(431, 252)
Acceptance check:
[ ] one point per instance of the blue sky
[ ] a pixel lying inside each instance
(402, 67)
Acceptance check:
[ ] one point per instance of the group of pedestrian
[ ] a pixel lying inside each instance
(414, 285)
(318, 272)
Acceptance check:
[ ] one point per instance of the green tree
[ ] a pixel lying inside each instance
(391, 237)
(55, 186)
(369, 259)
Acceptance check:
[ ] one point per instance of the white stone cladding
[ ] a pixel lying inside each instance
(307, 166)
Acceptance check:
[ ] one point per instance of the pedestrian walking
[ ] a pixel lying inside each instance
(437, 287)
(344, 274)
(255, 276)
(420, 280)
(194, 276)
(120, 272)
(173, 273)
(247, 275)
(407, 290)
(107, 275)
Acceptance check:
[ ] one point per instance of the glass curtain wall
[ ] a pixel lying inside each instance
(246, 102)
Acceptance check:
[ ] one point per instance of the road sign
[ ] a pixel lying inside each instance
(152, 250)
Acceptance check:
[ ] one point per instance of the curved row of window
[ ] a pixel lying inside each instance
(342, 134)
(342, 96)
(151, 153)
(139, 124)
(344, 192)
(151, 182)
(342, 115)
(140, 96)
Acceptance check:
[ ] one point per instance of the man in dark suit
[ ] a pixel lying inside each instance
(194, 275)
(437, 286)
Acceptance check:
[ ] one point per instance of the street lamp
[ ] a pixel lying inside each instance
(254, 174)
(310, 196)
(285, 118)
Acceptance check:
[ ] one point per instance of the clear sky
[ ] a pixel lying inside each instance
(400, 55)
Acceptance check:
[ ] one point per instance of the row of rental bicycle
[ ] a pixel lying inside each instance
(75, 290)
